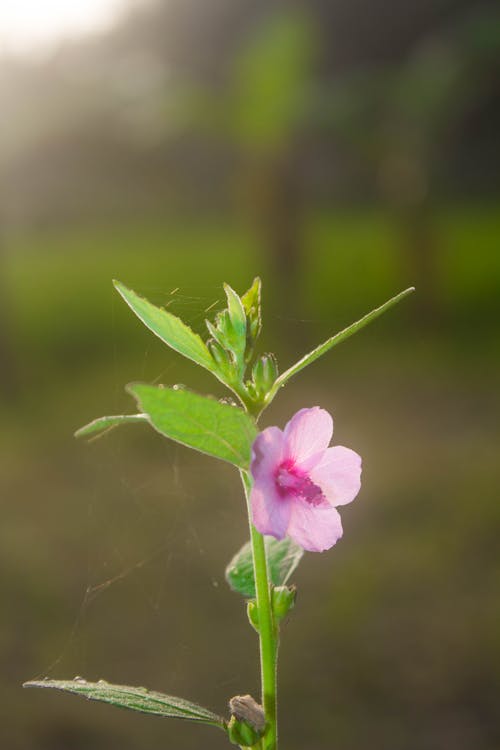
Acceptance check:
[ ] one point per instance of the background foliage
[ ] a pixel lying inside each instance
(343, 151)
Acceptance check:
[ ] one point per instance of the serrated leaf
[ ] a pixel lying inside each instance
(333, 341)
(283, 556)
(104, 424)
(170, 329)
(134, 699)
(200, 422)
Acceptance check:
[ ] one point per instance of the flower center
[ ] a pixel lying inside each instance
(290, 481)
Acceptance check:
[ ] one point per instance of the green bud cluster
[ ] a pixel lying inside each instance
(229, 337)
(234, 334)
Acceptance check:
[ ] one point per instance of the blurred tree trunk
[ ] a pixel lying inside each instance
(404, 181)
(277, 214)
(420, 247)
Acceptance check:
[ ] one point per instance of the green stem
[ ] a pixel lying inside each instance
(267, 632)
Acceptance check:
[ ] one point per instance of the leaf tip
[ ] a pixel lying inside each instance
(131, 387)
(87, 430)
(121, 288)
(32, 684)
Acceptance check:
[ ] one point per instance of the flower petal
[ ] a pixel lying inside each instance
(267, 453)
(308, 432)
(314, 527)
(270, 511)
(338, 474)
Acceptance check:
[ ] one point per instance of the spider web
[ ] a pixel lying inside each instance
(138, 572)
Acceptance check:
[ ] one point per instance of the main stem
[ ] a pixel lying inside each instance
(268, 639)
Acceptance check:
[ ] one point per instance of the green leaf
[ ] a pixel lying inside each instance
(283, 556)
(104, 424)
(134, 698)
(333, 341)
(199, 422)
(170, 329)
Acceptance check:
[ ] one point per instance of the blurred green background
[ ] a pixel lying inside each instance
(343, 151)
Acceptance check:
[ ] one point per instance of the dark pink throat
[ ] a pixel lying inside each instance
(291, 482)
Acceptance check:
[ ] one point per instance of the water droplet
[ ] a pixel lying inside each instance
(102, 682)
(79, 679)
(228, 401)
(179, 387)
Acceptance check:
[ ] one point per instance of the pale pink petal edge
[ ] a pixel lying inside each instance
(308, 432)
(338, 475)
(316, 528)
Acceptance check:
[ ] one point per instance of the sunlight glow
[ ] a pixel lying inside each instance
(28, 26)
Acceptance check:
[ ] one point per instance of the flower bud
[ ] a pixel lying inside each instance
(213, 331)
(282, 600)
(270, 369)
(247, 723)
(251, 390)
(242, 734)
(251, 304)
(264, 373)
(219, 355)
(224, 324)
(230, 332)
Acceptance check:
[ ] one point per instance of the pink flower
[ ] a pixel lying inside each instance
(299, 481)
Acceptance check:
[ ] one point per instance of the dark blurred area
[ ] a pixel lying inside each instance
(343, 151)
